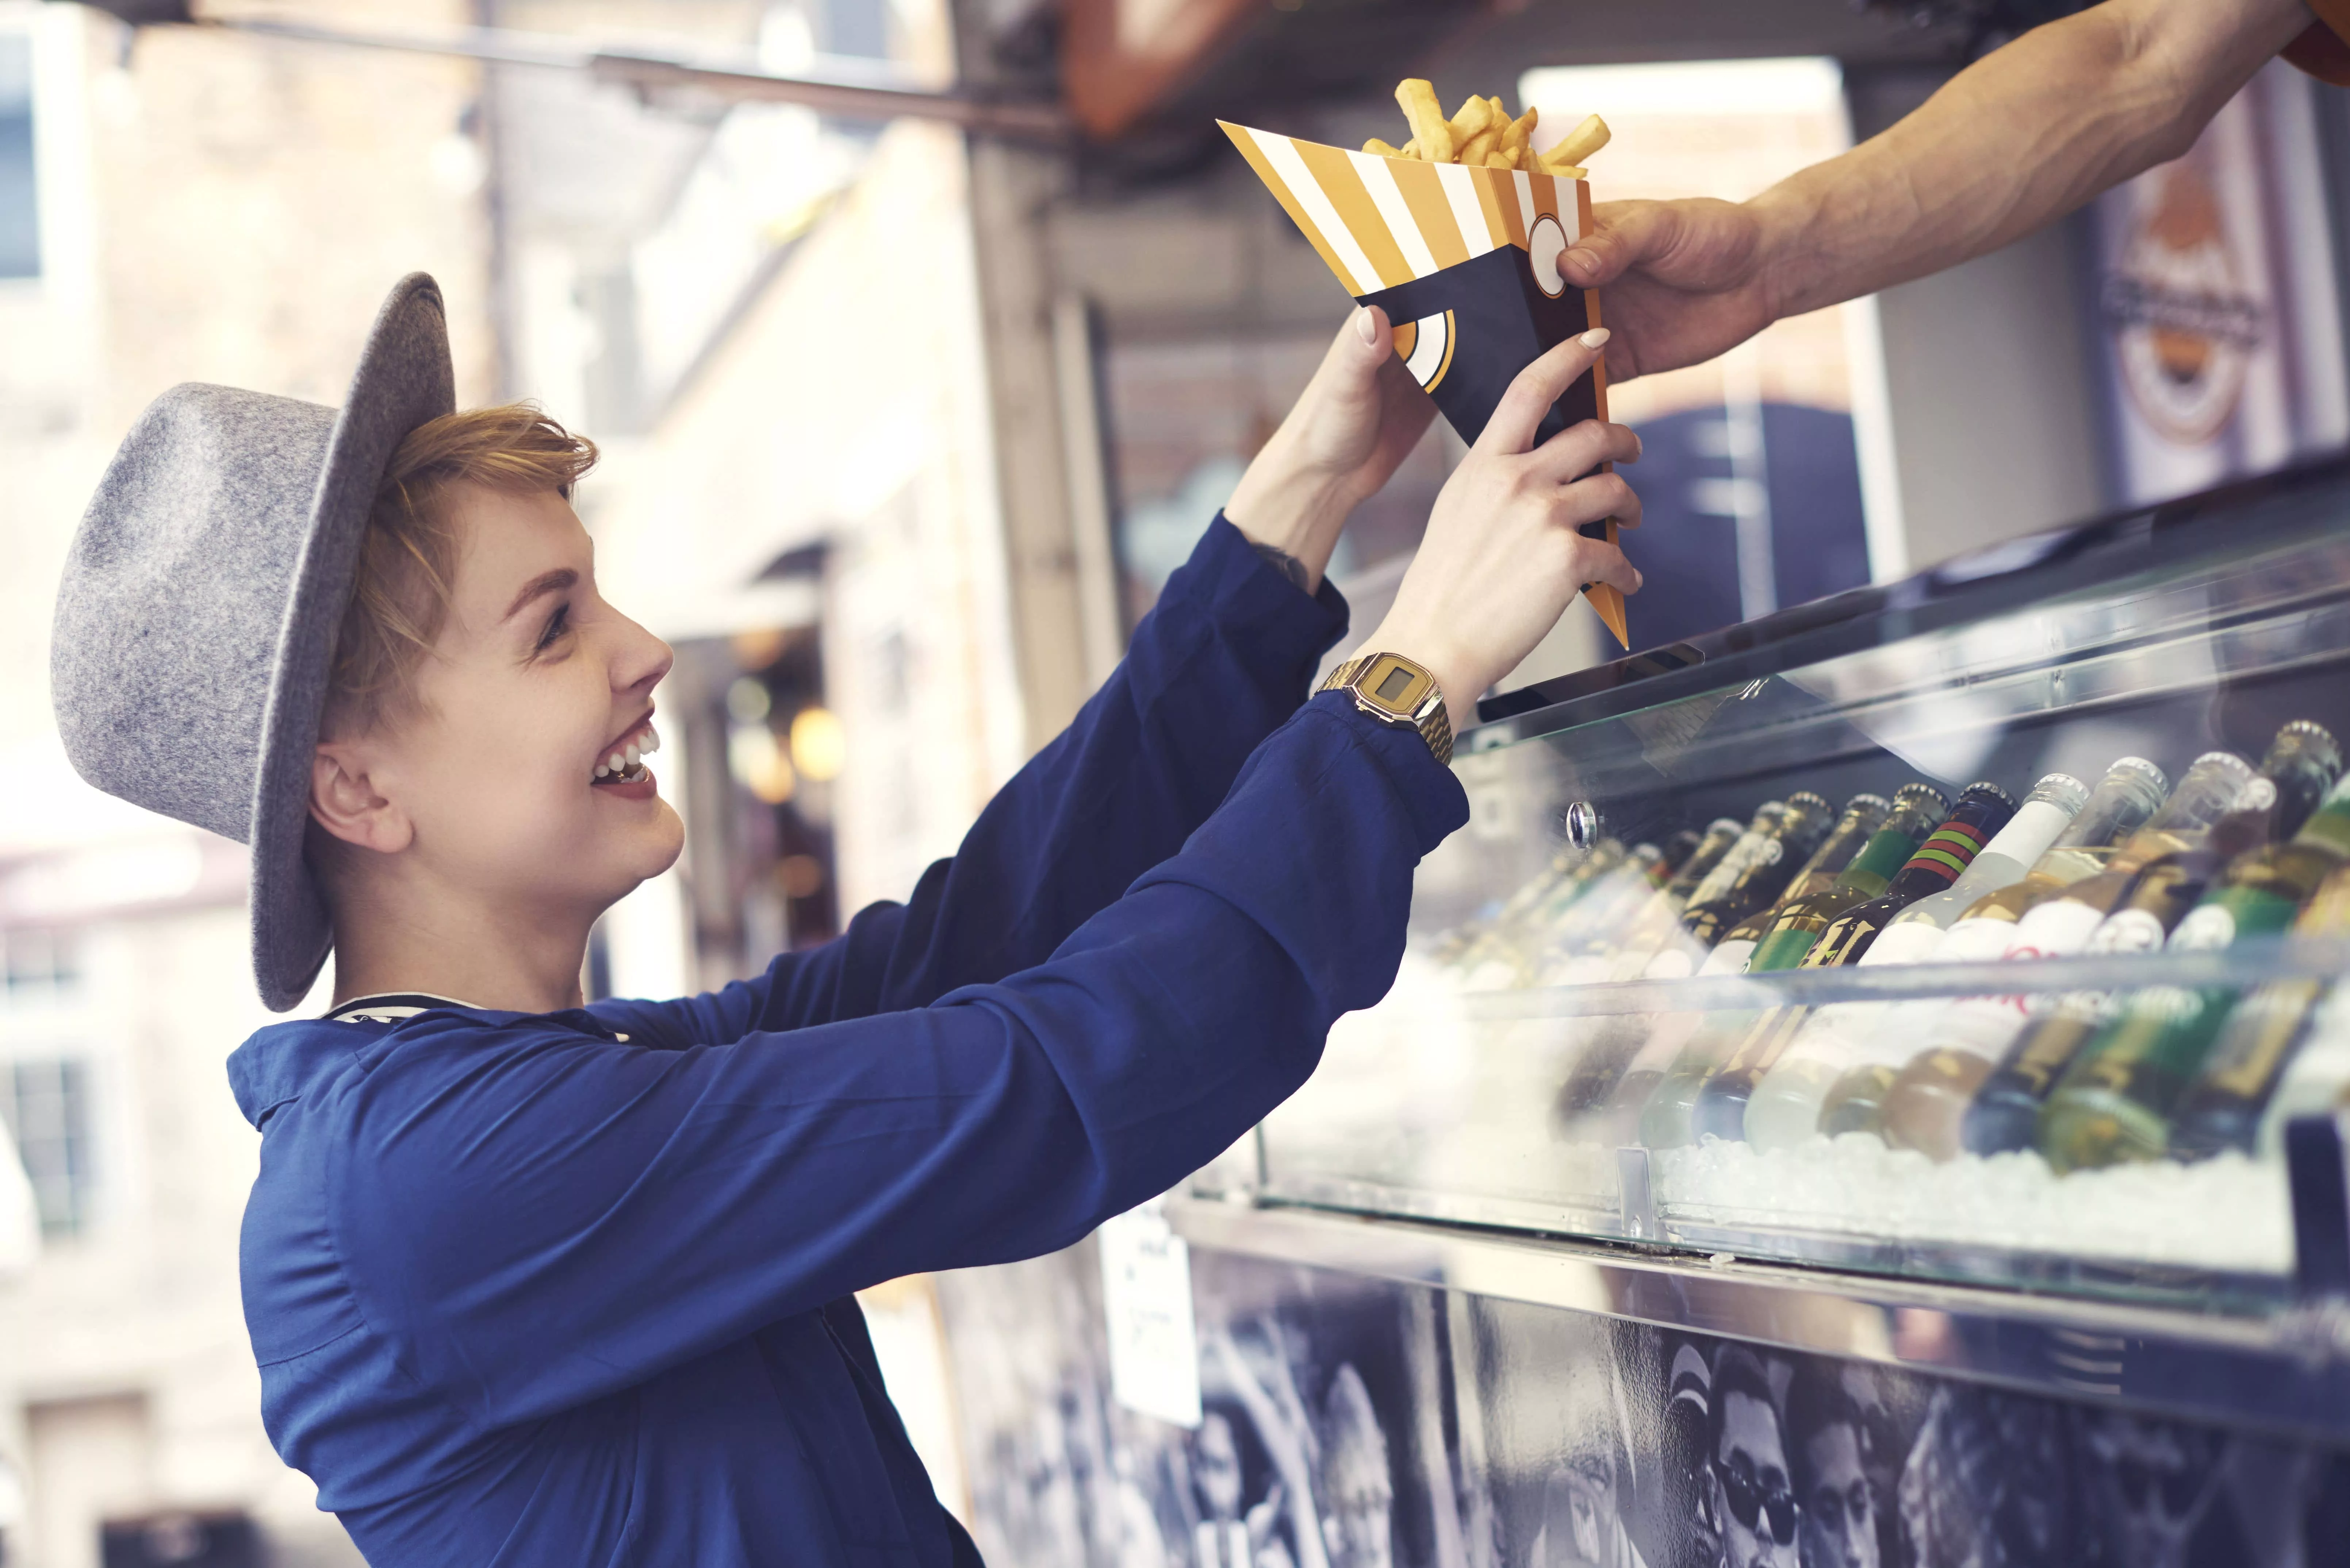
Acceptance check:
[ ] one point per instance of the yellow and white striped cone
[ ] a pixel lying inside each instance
(1464, 262)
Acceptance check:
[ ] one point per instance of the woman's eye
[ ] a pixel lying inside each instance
(556, 625)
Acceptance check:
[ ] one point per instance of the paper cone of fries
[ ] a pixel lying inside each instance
(1464, 262)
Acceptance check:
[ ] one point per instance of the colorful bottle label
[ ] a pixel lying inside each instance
(1782, 949)
(1950, 851)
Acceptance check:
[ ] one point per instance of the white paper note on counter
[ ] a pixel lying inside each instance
(1154, 1347)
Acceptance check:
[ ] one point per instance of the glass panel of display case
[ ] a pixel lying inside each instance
(1994, 942)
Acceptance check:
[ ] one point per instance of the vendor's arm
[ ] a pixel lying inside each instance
(539, 1215)
(1223, 660)
(2015, 142)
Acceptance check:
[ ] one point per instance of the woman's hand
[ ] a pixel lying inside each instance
(1502, 559)
(1357, 418)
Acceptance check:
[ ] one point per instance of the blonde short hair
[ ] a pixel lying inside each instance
(408, 555)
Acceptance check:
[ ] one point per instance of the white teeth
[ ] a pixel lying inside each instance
(601, 770)
(616, 763)
(635, 753)
(652, 740)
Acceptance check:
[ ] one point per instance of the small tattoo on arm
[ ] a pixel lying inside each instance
(1287, 565)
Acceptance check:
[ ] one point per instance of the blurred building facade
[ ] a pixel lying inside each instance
(196, 208)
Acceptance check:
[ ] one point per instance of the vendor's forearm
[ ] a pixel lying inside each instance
(2016, 140)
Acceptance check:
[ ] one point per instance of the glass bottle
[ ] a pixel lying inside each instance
(1765, 874)
(2283, 1052)
(2123, 800)
(1601, 911)
(1612, 1045)
(1949, 1098)
(1980, 812)
(1660, 916)
(2116, 1101)
(1668, 1120)
(1915, 808)
(1754, 876)
(1785, 1107)
(1508, 958)
(2046, 811)
(1864, 815)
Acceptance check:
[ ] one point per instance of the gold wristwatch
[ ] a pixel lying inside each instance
(1390, 686)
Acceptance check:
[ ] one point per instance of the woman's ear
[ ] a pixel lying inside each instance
(345, 802)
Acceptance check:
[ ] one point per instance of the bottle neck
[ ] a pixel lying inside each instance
(2330, 828)
(1941, 860)
(1877, 865)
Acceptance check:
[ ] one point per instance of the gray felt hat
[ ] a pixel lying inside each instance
(198, 613)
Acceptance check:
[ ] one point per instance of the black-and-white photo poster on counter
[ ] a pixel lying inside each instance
(1356, 1423)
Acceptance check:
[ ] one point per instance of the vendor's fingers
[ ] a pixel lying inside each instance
(1578, 448)
(1538, 386)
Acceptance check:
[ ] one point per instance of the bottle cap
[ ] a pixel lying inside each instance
(2061, 789)
(1805, 800)
(1911, 794)
(1981, 787)
(1724, 825)
(1867, 803)
(2227, 763)
(2312, 737)
(2140, 769)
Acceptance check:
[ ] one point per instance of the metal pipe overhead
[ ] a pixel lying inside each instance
(839, 86)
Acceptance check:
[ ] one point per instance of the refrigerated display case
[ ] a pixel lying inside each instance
(1501, 1082)
(2060, 825)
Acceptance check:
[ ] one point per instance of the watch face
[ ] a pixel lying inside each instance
(1395, 684)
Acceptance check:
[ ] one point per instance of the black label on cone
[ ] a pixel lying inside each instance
(1502, 321)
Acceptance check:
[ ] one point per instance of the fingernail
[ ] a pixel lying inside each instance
(1595, 338)
(1364, 328)
(1638, 578)
(1638, 446)
(1582, 260)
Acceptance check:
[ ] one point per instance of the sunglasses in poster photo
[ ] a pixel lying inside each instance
(1750, 1500)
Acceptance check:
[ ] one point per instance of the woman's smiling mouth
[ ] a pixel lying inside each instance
(622, 761)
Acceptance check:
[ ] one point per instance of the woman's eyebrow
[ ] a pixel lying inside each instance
(554, 582)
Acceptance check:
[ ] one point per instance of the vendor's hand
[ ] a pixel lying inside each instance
(1354, 422)
(1681, 281)
(1502, 559)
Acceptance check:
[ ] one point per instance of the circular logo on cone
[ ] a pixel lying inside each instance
(1545, 242)
(2184, 322)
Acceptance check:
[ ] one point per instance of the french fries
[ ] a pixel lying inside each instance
(1483, 135)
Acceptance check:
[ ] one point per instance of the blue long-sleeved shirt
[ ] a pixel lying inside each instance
(574, 1287)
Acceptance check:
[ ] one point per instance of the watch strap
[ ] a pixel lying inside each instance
(1434, 725)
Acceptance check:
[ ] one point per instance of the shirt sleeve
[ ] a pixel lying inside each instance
(540, 1217)
(1224, 658)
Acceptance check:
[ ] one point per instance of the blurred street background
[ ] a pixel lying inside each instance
(905, 422)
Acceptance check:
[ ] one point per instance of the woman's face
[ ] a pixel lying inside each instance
(534, 686)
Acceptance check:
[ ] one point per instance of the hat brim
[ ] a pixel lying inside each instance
(404, 379)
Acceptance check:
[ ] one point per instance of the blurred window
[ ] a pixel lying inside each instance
(46, 1107)
(1751, 481)
(37, 965)
(20, 232)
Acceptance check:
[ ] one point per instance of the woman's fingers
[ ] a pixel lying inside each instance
(1601, 496)
(1536, 388)
(1597, 561)
(1578, 448)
